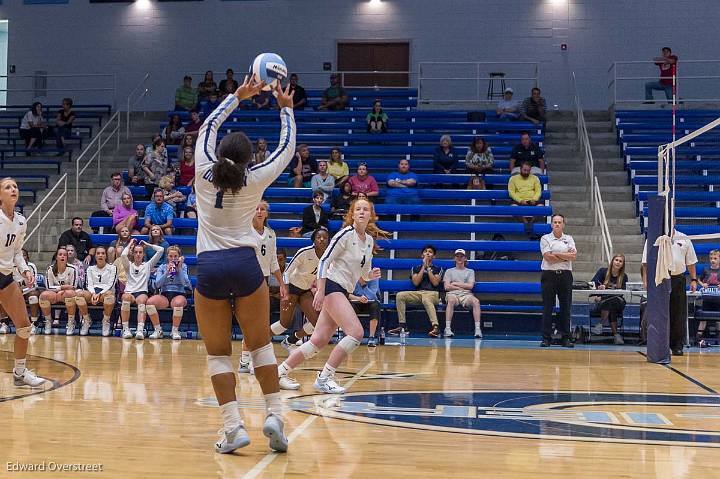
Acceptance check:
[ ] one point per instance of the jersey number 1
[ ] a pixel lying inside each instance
(10, 240)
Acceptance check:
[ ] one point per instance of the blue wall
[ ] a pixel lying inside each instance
(170, 39)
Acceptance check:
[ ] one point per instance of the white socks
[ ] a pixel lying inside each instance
(284, 369)
(277, 328)
(19, 368)
(273, 404)
(230, 415)
(327, 372)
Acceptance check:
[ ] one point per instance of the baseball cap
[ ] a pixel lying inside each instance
(460, 251)
(508, 90)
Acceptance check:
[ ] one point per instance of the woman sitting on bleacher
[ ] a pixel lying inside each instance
(63, 124)
(187, 166)
(261, 152)
(34, 128)
(207, 86)
(337, 168)
(173, 282)
(444, 159)
(61, 279)
(118, 244)
(157, 237)
(363, 182)
(377, 119)
(174, 132)
(611, 307)
(341, 203)
(479, 160)
(124, 215)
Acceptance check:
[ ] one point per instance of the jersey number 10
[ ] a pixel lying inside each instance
(10, 240)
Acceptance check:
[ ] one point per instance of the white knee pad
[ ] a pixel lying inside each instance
(69, 301)
(277, 328)
(349, 344)
(219, 365)
(23, 332)
(308, 349)
(80, 301)
(150, 308)
(308, 327)
(125, 306)
(44, 303)
(33, 300)
(141, 309)
(263, 356)
(178, 311)
(109, 299)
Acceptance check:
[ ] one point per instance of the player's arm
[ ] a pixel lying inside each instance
(159, 250)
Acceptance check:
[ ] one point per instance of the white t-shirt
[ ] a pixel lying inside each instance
(465, 275)
(347, 259)
(225, 219)
(550, 244)
(12, 238)
(302, 269)
(267, 251)
(683, 253)
(103, 279)
(509, 105)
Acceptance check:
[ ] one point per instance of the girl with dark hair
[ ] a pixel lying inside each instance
(341, 203)
(230, 280)
(377, 119)
(34, 128)
(479, 160)
(207, 86)
(63, 124)
(611, 307)
(174, 132)
(61, 281)
(337, 168)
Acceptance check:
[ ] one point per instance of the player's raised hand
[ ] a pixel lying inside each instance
(284, 97)
(249, 88)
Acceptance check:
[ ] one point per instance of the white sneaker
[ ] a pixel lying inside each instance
(244, 368)
(70, 328)
(448, 333)
(48, 327)
(33, 330)
(176, 335)
(28, 378)
(127, 334)
(229, 441)
(597, 329)
(287, 345)
(273, 430)
(3, 328)
(157, 334)
(140, 334)
(328, 385)
(85, 328)
(287, 383)
(619, 340)
(106, 328)
(478, 333)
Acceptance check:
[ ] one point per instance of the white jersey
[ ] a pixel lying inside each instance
(19, 278)
(12, 238)
(67, 277)
(267, 251)
(302, 269)
(139, 276)
(225, 218)
(347, 259)
(99, 281)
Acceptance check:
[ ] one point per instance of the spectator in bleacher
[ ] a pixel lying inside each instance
(377, 119)
(365, 299)
(191, 203)
(173, 281)
(158, 212)
(174, 132)
(444, 158)
(710, 278)
(558, 253)
(508, 109)
(61, 284)
(155, 164)
(212, 103)
(228, 85)
(341, 203)
(668, 65)
(79, 239)
(261, 101)
(193, 127)
(335, 97)
(136, 172)
(77, 264)
(207, 86)
(362, 182)
(322, 181)
(527, 151)
(124, 216)
(187, 166)
(157, 238)
(427, 279)
(261, 152)
(63, 124)
(34, 128)
(533, 107)
(459, 283)
(611, 307)
(111, 197)
(117, 245)
(314, 216)
(479, 160)
(302, 168)
(298, 93)
(186, 97)
(337, 168)
(172, 196)
(402, 186)
(525, 190)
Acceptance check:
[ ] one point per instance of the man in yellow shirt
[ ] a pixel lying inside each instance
(525, 190)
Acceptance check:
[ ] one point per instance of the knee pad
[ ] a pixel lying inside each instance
(277, 328)
(141, 309)
(308, 328)
(69, 301)
(308, 350)
(125, 306)
(44, 303)
(150, 308)
(178, 311)
(33, 300)
(80, 301)
(219, 365)
(263, 356)
(109, 299)
(349, 344)
(23, 332)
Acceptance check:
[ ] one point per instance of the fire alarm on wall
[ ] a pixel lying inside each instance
(563, 47)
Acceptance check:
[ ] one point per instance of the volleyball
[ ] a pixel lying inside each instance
(270, 68)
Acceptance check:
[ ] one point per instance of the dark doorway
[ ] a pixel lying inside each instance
(374, 56)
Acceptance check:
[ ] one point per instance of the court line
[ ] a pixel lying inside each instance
(685, 376)
(271, 456)
(55, 384)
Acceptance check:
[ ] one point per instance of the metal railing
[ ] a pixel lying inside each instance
(463, 82)
(93, 150)
(87, 88)
(601, 221)
(37, 210)
(696, 81)
(134, 98)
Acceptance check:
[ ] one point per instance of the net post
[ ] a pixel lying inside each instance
(657, 312)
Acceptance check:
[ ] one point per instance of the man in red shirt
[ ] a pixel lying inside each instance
(668, 66)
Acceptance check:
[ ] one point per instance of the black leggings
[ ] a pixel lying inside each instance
(678, 311)
(552, 284)
(38, 133)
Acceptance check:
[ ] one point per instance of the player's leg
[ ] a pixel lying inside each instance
(82, 298)
(108, 302)
(127, 301)
(141, 301)
(305, 303)
(68, 297)
(47, 299)
(324, 329)
(178, 304)
(151, 307)
(451, 300)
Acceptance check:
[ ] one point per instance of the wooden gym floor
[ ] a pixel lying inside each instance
(445, 409)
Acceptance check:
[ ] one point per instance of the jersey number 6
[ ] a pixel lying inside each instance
(262, 250)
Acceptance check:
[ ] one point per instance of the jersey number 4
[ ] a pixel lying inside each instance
(10, 240)
(362, 263)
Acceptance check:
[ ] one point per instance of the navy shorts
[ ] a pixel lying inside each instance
(230, 273)
(135, 295)
(294, 290)
(170, 295)
(332, 287)
(6, 280)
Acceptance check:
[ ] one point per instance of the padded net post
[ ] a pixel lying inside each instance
(657, 313)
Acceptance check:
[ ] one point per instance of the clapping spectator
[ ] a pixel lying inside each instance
(363, 182)
(402, 186)
(337, 168)
(193, 126)
(377, 120)
(174, 132)
(341, 203)
(136, 172)
(63, 124)
(334, 97)
(186, 97)
(527, 151)
(298, 93)
(158, 213)
(508, 109)
(155, 164)
(302, 168)
(33, 127)
(229, 84)
(611, 307)
(533, 107)
(207, 86)
(479, 160)
(444, 158)
(314, 216)
(124, 215)
(261, 101)
(322, 181)
(187, 166)
(261, 152)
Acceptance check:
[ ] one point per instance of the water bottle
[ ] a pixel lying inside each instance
(382, 336)
(403, 335)
(173, 269)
